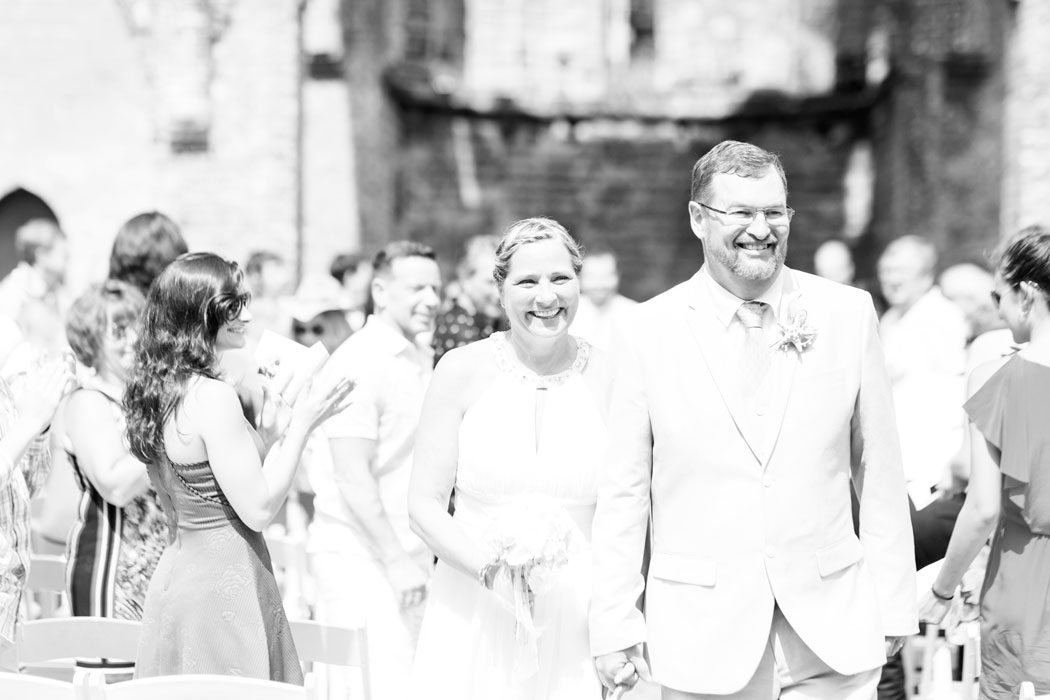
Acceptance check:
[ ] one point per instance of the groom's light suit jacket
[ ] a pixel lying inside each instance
(751, 504)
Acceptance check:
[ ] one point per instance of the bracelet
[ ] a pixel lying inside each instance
(938, 596)
(486, 573)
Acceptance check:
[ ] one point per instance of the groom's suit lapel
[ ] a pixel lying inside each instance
(718, 355)
(722, 363)
(781, 379)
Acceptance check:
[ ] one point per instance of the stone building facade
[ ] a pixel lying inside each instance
(1026, 182)
(593, 112)
(310, 127)
(195, 108)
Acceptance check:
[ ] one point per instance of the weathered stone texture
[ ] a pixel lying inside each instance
(94, 92)
(1026, 186)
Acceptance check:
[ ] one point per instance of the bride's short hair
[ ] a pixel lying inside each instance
(526, 231)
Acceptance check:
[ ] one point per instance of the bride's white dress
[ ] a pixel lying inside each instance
(467, 646)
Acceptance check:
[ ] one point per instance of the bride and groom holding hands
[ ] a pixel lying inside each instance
(721, 436)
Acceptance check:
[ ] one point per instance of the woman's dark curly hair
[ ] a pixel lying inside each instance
(187, 305)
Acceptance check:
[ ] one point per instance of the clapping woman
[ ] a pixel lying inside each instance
(120, 529)
(25, 460)
(213, 605)
(1009, 491)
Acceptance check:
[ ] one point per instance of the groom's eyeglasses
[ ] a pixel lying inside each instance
(742, 216)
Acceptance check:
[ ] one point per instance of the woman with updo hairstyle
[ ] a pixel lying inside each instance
(516, 424)
(213, 605)
(1009, 491)
(120, 530)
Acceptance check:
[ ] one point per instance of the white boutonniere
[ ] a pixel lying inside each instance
(795, 333)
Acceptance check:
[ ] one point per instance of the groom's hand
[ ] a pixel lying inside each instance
(622, 668)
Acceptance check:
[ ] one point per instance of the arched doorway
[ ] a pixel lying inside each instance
(16, 208)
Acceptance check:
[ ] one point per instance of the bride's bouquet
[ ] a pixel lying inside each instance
(531, 538)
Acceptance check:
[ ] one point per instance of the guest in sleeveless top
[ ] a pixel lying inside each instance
(213, 605)
(516, 424)
(120, 530)
(1009, 492)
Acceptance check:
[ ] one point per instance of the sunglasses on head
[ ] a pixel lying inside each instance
(300, 329)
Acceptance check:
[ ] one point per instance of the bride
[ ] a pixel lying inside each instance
(515, 424)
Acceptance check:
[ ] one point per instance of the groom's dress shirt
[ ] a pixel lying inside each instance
(726, 307)
(748, 498)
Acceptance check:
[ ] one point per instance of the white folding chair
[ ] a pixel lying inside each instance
(934, 671)
(318, 643)
(288, 554)
(49, 647)
(46, 582)
(1028, 692)
(17, 686)
(197, 687)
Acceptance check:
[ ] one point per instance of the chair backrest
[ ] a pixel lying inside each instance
(47, 572)
(934, 658)
(70, 637)
(328, 644)
(19, 685)
(1028, 692)
(47, 581)
(291, 568)
(197, 687)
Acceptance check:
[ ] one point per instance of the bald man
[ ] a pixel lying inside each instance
(834, 261)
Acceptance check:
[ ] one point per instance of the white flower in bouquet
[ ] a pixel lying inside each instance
(531, 540)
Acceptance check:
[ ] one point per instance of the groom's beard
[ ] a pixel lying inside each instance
(748, 269)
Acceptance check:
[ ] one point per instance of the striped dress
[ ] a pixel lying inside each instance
(213, 605)
(112, 551)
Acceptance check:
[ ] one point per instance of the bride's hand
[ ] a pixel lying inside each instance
(621, 670)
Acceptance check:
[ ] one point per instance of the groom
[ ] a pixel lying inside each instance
(747, 399)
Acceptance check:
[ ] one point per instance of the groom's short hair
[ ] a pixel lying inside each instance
(732, 158)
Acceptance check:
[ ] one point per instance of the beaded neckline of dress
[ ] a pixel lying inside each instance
(507, 362)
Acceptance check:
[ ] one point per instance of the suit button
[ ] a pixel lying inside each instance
(771, 551)
(760, 411)
(767, 481)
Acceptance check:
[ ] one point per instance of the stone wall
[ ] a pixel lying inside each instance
(1026, 185)
(938, 134)
(112, 107)
(557, 111)
(618, 184)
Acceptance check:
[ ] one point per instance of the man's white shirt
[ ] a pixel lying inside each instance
(925, 350)
(392, 375)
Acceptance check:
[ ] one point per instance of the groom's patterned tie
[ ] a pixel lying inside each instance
(756, 354)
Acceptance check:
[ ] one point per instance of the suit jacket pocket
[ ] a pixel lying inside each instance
(836, 557)
(683, 569)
